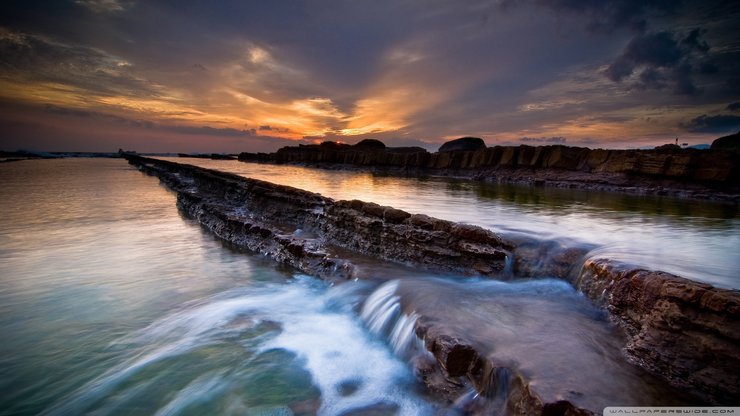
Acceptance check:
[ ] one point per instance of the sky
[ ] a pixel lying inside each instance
(241, 75)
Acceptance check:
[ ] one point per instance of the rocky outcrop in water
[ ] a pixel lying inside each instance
(685, 331)
(680, 172)
(309, 231)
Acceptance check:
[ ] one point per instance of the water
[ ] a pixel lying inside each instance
(692, 239)
(112, 303)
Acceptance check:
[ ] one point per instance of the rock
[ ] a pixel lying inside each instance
(498, 389)
(684, 331)
(731, 142)
(668, 147)
(667, 170)
(261, 216)
(370, 144)
(464, 144)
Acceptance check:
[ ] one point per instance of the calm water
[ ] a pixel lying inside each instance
(693, 239)
(112, 303)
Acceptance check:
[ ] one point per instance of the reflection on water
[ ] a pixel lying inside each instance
(693, 239)
(112, 303)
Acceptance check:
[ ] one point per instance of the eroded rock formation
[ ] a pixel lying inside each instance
(307, 230)
(683, 331)
(680, 172)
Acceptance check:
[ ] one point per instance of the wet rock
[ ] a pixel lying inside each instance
(684, 331)
(264, 217)
(348, 387)
(380, 409)
(496, 388)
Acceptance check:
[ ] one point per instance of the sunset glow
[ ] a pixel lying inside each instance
(255, 77)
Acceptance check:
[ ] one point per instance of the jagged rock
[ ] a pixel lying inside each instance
(680, 172)
(264, 217)
(685, 331)
(463, 144)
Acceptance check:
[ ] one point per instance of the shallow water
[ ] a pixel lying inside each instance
(112, 303)
(690, 238)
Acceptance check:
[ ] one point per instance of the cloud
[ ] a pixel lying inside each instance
(36, 59)
(174, 128)
(606, 16)
(722, 123)
(662, 61)
(542, 140)
(733, 106)
(384, 68)
(103, 6)
(211, 131)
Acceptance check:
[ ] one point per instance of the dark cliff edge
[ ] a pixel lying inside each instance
(684, 332)
(705, 174)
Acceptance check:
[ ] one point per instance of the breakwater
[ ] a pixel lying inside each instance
(303, 229)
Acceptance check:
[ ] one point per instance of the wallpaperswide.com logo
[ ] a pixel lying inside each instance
(664, 410)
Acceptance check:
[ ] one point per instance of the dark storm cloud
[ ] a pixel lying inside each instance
(604, 16)
(663, 60)
(733, 106)
(722, 123)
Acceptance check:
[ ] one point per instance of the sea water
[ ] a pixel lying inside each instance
(113, 303)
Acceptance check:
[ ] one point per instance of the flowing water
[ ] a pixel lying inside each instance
(112, 303)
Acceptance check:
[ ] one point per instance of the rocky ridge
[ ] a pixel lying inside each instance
(674, 171)
(680, 330)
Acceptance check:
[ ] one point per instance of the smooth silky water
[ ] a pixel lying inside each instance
(112, 303)
(695, 239)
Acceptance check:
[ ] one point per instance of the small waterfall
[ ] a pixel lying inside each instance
(384, 317)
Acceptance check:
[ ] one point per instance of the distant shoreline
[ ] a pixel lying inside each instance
(668, 170)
